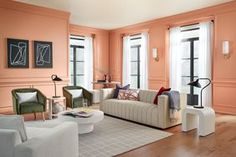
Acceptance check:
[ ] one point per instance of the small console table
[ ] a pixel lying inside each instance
(202, 119)
(106, 84)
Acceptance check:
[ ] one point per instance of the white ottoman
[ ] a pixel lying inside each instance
(202, 119)
(96, 96)
(85, 125)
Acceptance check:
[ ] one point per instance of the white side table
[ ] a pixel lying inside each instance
(202, 119)
(52, 100)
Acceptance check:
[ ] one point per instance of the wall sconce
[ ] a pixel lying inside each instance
(225, 49)
(155, 54)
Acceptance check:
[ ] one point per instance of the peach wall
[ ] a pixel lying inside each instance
(22, 21)
(36, 23)
(224, 77)
(101, 48)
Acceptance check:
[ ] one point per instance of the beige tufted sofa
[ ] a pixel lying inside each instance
(142, 111)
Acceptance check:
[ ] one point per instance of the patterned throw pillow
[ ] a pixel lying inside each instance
(128, 95)
(118, 88)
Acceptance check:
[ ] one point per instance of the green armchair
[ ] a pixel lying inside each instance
(29, 107)
(74, 102)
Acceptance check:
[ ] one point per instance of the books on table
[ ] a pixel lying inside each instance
(80, 114)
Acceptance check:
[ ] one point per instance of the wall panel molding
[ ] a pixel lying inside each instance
(151, 79)
(29, 80)
(225, 108)
(224, 83)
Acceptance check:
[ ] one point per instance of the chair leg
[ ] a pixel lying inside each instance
(43, 116)
(34, 116)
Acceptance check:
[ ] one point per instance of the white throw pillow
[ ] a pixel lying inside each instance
(14, 122)
(27, 97)
(76, 93)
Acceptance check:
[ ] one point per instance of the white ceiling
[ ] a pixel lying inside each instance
(111, 14)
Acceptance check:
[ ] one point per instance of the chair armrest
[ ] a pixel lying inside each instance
(107, 93)
(69, 98)
(89, 96)
(42, 98)
(60, 141)
(8, 140)
(164, 110)
(16, 106)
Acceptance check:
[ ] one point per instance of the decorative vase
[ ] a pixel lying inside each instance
(109, 78)
(57, 107)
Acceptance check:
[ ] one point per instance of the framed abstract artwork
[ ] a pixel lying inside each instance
(43, 54)
(17, 53)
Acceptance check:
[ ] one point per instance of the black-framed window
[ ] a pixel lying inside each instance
(190, 45)
(135, 74)
(135, 66)
(77, 60)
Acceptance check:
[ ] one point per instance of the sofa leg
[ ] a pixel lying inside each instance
(43, 116)
(34, 116)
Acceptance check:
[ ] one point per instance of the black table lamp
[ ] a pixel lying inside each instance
(55, 78)
(197, 84)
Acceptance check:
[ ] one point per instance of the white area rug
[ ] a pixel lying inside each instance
(111, 137)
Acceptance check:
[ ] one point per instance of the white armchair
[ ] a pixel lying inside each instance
(59, 141)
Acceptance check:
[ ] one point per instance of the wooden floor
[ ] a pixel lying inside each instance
(222, 143)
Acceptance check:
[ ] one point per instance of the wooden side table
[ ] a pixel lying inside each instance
(106, 84)
(202, 119)
(51, 101)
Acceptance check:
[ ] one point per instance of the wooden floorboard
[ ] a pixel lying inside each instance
(222, 143)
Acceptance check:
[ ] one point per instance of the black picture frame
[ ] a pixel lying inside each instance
(43, 54)
(17, 53)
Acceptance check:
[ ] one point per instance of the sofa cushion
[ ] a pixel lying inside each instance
(128, 95)
(27, 97)
(76, 93)
(147, 96)
(14, 122)
(30, 107)
(137, 111)
(118, 88)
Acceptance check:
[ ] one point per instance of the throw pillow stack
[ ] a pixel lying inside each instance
(118, 88)
(128, 95)
(162, 89)
(124, 93)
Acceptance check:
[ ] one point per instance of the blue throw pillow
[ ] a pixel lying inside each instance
(118, 88)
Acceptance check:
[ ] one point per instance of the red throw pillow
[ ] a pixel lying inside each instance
(162, 89)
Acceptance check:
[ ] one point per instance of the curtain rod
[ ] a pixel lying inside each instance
(83, 36)
(192, 22)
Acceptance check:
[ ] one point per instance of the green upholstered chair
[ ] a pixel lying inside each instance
(29, 107)
(76, 101)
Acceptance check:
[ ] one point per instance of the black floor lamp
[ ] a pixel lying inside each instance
(197, 84)
(55, 79)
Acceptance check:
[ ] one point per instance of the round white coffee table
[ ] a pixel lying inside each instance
(85, 125)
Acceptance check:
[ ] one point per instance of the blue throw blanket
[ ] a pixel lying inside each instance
(174, 99)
